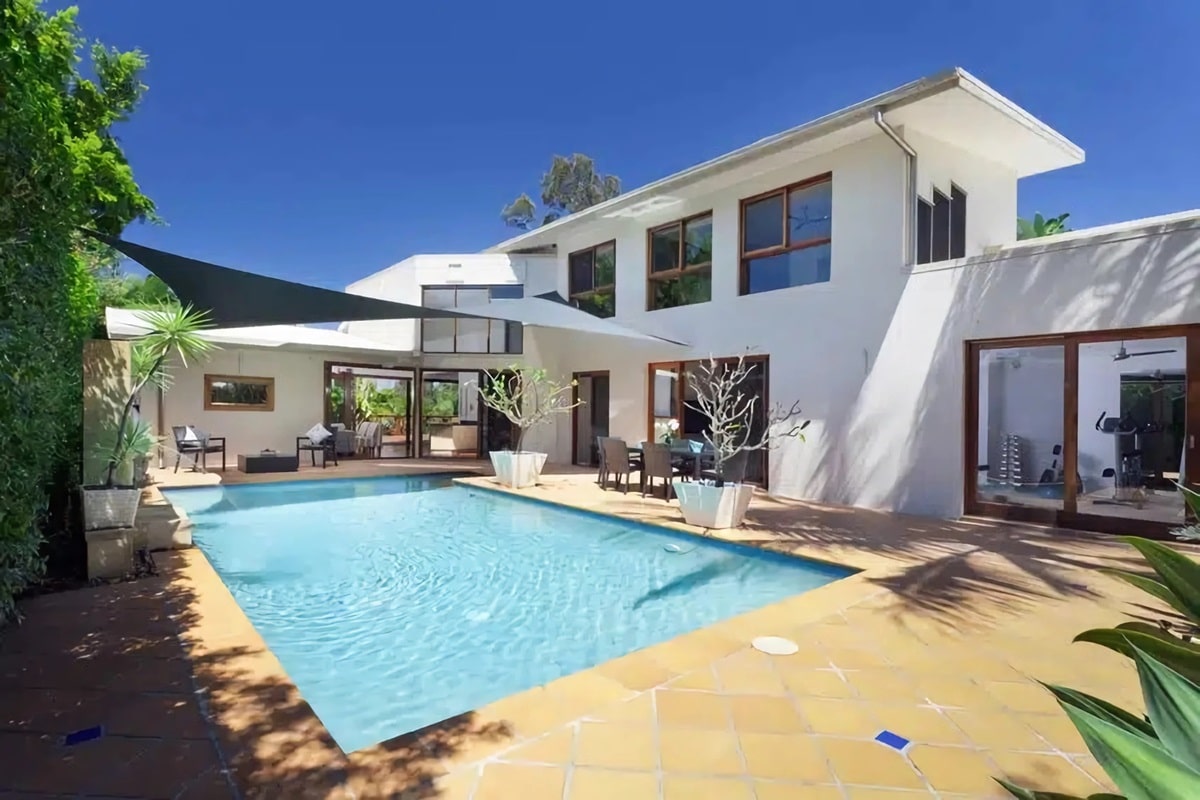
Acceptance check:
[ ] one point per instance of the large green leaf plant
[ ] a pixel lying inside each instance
(1156, 757)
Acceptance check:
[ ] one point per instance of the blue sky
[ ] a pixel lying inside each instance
(322, 141)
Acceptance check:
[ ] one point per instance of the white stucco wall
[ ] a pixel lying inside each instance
(299, 399)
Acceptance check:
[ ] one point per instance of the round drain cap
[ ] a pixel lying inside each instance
(775, 645)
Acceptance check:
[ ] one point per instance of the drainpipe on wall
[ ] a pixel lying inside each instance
(910, 190)
(160, 421)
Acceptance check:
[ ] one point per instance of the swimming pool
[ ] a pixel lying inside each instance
(394, 603)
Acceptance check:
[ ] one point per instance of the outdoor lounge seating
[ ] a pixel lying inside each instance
(369, 439)
(658, 463)
(327, 447)
(195, 443)
(617, 463)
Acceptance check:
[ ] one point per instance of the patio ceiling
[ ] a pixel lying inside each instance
(234, 298)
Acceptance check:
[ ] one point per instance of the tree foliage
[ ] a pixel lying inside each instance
(61, 167)
(570, 185)
(1041, 226)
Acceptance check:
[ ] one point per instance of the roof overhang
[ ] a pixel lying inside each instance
(953, 106)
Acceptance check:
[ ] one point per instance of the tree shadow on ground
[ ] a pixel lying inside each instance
(191, 702)
(964, 572)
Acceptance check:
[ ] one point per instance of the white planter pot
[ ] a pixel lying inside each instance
(109, 508)
(517, 470)
(706, 505)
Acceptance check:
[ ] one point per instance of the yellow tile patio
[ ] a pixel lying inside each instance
(938, 638)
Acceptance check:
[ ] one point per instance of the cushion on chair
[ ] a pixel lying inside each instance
(318, 433)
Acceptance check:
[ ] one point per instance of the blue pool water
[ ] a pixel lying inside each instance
(394, 603)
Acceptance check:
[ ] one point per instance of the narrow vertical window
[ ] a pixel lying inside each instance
(941, 226)
(924, 231)
(958, 222)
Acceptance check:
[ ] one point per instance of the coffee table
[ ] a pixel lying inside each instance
(267, 462)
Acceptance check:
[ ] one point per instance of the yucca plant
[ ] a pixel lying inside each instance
(174, 331)
(1192, 499)
(1156, 757)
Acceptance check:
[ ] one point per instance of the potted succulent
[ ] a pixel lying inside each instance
(173, 332)
(722, 397)
(527, 398)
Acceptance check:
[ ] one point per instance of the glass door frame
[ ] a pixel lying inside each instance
(1069, 516)
(678, 402)
(575, 398)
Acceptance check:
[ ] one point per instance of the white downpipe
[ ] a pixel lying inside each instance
(910, 190)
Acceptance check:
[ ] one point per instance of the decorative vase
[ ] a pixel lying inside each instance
(706, 505)
(517, 470)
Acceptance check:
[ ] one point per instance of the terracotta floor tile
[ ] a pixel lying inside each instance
(950, 769)
(921, 725)
(870, 764)
(882, 685)
(1097, 773)
(955, 693)
(1027, 697)
(763, 714)
(807, 657)
(1048, 773)
(636, 671)
(691, 709)
(639, 709)
(864, 793)
(507, 781)
(846, 658)
(554, 748)
(1059, 731)
(741, 678)
(607, 744)
(607, 784)
(794, 758)
(695, 751)
(839, 717)
(702, 679)
(816, 683)
(771, 790)
(676, 787)
(995, 729)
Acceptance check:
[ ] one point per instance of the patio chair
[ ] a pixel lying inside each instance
(658, 463)
(369, 439)
(346, 440)
(193, 442)
(327, 447)
(617, 462)
(734, 468)
(602, 473)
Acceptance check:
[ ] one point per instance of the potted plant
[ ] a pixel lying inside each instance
(527, 398)
(722, 397)
(173, 332)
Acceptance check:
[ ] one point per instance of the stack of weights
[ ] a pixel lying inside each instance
(1012, 462)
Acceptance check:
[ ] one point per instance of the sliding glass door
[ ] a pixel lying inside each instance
(1090, 431)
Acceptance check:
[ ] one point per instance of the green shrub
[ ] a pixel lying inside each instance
(60, 169)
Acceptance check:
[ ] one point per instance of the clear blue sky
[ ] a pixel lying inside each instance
(324, 141)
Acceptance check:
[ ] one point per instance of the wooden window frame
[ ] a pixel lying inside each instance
(683, 269)
(788, 246)
(209, 405)
(489, 352)
(608, 287)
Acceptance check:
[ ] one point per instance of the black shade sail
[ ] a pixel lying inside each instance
(235, 298)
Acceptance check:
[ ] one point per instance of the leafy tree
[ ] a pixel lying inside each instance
(1040, 226)
(571, 184)
(61, 168)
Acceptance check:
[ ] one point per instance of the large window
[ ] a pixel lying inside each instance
(942, 226)
(787, 236)
(238, 393)
(680, 263)
(592, 278)
(470, 335)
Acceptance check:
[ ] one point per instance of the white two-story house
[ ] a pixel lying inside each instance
(867, 261)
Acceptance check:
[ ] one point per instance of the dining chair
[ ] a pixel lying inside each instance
(658, 463)
(618, 464)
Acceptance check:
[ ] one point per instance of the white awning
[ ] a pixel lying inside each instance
(124, 323)
(547, 313)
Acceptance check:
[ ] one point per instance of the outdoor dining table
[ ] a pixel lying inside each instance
(682, 450)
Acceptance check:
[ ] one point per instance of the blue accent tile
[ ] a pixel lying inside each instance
(83, 735)
(892, 740)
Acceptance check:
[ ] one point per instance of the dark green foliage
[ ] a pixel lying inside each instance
(60, 168)
(571, 184)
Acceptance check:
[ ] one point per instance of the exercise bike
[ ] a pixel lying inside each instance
(1129, 478)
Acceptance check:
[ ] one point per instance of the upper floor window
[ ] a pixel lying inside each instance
(592, 279)
(680, 263)
(942, 226)
(787, 236)
(470, 335)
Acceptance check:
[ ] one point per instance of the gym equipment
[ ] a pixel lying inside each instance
(1129, 479)
(1012, 464)
(1054, 473)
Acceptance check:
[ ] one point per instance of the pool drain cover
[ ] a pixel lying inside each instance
(775, 645)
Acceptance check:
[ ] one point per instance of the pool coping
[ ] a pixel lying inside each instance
(510, 722)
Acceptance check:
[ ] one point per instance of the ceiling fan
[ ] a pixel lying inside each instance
(1123, 354)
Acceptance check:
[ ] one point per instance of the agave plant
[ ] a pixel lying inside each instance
(1192, 499)
(1156, 757)
(1041, 226)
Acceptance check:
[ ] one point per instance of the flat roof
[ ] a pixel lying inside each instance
(1047, 148)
